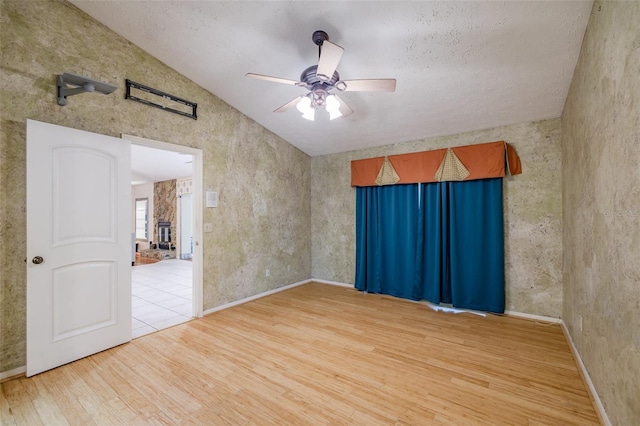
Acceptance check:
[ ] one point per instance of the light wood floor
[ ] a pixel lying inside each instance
(318, 354)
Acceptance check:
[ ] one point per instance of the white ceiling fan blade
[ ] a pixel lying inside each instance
(344, 108)
(274, 79)
(371, 85)
(330, 55)
(289, 105)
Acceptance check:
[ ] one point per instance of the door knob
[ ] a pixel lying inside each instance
(37, 260)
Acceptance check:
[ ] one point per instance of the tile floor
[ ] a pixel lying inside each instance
(161, 295)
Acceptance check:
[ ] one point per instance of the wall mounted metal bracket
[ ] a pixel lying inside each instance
(82, 84)
(162, 95)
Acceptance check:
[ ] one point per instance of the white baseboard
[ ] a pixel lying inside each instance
(585, 374)
(254, 297)
(512, 313)
(14, 372)
(533, 317)
(592, 390)
(332, 283)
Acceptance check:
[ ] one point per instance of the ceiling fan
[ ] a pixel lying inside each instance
(321, 79)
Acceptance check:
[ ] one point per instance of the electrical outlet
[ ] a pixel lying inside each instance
(208, 227)
(267, 272)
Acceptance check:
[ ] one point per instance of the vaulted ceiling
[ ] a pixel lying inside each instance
(460, 66)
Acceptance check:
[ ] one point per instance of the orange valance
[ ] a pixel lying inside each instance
(470, 162)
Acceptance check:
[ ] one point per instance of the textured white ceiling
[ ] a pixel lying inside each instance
(156, 165)
(460, 66)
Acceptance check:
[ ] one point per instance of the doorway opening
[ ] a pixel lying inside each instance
(166, 279)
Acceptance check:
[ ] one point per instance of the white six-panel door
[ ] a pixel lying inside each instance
(78, 244)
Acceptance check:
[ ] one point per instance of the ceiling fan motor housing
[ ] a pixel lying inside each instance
(310, 78)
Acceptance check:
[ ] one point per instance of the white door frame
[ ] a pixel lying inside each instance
(197, 210)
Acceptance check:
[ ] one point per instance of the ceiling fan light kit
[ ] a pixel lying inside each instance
(308, 104)
(322, 78)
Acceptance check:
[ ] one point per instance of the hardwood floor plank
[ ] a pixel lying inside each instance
(6, 413)
(65, 396)
(318, 355)
(20, 404)
(43, 402)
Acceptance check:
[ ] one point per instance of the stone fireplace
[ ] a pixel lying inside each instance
(164, 216)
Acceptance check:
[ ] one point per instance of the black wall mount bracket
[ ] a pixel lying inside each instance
(133, 85)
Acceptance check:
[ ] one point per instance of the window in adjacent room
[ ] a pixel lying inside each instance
(142, 222)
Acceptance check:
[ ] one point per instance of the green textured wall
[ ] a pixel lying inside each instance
(532, 201)
(263, 218)
(601, 207)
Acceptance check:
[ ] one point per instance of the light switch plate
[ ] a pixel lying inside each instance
(208, 227)
(212, 199)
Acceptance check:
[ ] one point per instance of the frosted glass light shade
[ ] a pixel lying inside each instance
(333, 107)
(304, 106)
